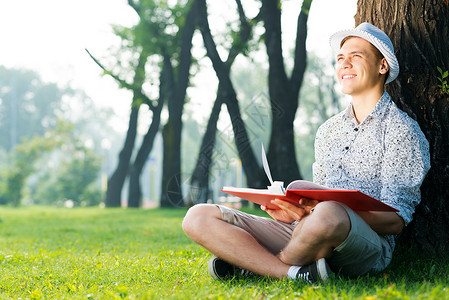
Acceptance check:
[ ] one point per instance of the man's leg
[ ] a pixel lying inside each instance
(317, 235)
(204, 225)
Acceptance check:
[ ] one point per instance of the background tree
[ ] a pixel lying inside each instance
(419, 32)
(117, 179)
(72, 175)
(162, 41)
(284, 90)
(22, 163)
(226, 94)
(28, 106)
(137, 42)
(36, 109)
(171, 189)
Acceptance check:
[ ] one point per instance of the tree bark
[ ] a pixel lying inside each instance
(420, 34)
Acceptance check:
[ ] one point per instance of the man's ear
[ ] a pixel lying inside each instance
(384, 66)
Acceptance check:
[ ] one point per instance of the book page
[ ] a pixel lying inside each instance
(272, 190)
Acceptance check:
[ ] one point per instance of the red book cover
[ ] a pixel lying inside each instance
(356, 200)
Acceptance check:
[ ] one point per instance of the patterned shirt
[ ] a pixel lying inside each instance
(385, 156)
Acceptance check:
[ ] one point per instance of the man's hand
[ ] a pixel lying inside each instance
(290, 212)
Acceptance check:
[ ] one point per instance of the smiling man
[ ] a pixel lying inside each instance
(372, 146)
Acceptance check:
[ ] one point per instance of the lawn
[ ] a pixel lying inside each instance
(94, 253)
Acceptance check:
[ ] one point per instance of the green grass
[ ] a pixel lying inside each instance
(93, 253)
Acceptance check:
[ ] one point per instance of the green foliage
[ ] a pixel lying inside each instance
(157, 33)
(444, 87)
(93, 253)
(72, 178)
(22, 163)
(59, 163)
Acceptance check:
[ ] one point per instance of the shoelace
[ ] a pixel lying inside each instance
(304, 276)
(243, 272)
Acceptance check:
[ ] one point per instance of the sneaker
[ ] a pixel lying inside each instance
(317, 271)
(221, 270)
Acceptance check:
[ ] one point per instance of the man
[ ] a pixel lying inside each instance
(372, 146)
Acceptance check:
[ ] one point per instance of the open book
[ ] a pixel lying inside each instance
(356, 200)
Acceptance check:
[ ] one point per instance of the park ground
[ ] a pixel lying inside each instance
(97, 253)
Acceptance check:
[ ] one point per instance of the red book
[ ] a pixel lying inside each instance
(356, 200)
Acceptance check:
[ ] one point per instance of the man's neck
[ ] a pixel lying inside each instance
(364, 103)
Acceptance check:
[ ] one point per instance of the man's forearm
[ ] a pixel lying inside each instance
(383, 222)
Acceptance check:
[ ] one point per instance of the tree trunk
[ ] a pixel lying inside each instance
(199, 182)
(419, 32)
(135, 192)
(117, 179)
(171, 190)
(284, 91)
(229, 97)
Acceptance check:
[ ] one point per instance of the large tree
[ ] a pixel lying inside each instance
(419, 31)
(226, 94)
(284, 89)
(117, 179)
(283, 94)
(177, 83)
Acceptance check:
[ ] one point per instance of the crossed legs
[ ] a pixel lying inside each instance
(313, 238)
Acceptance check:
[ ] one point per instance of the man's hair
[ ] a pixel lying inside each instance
(378, 54)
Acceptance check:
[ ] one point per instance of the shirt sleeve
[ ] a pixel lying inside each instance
(404, 167)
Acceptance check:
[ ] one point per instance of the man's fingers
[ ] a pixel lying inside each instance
(292, 210)
(308, 202)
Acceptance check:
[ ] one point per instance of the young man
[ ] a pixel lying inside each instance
(372, 146)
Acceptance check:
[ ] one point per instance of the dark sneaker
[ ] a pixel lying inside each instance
(221, 270)
(317, 271)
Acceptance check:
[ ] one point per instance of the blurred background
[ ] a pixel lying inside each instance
(101, 105)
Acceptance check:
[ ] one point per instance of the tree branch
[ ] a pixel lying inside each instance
(107, 72)
(123, 83)
(244, 36)
(300, 48)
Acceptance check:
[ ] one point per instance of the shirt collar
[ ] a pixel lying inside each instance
(378, 111)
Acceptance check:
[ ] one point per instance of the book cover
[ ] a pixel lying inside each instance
(355, 200)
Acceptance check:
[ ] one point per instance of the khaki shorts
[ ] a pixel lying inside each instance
(362, 251)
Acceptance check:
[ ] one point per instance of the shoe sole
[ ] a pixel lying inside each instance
(211, 268)
(321, 266)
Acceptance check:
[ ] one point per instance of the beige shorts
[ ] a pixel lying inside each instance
(362, 251)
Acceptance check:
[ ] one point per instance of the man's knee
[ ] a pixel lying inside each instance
(317, 235)
(328, 220)
(197, 217)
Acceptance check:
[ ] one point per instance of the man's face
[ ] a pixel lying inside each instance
(358, 67)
